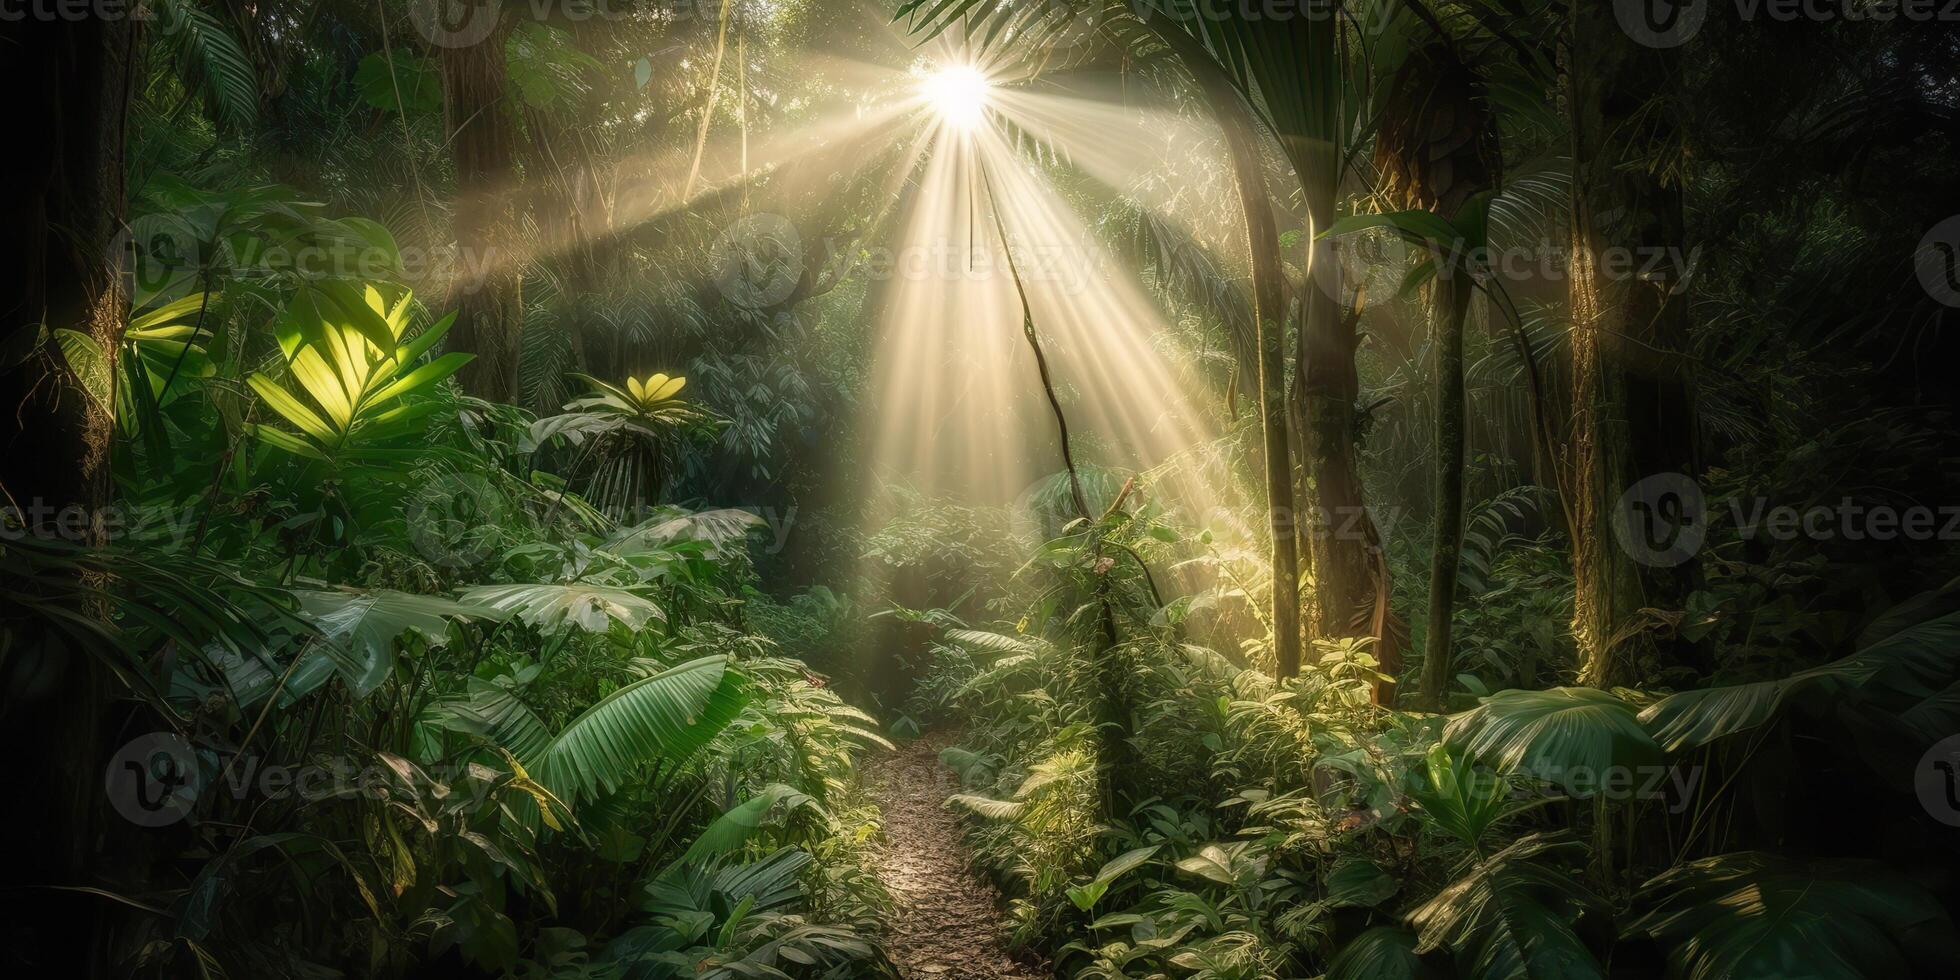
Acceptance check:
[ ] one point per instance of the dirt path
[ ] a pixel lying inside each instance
(949, 925)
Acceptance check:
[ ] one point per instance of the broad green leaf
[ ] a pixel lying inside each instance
(293, 410)
(553, 606)
(660, 387)
(495, 713)
(1086, 896)
(324, 384)
(151, 324)
(1381, 953)
(1211, 862)
(1572, 736)
(1359, 882)
(1756, 916)
(991, 809)
(359, 308)
(422, 377)
(281, 439)
(425, 341)
(733, 829)
(669, 716)
(1512, 916)
(360, 628)
(722, 530)
(1904, 675)
(1462, 799)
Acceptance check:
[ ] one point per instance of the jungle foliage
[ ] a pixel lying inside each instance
(457, 575)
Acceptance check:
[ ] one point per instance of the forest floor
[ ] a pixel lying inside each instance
(949, 924)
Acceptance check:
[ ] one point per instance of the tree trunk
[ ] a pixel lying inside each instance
(1453, 292)
(488, 296)
(1350, 576)
(63, 194)
(1436, 148)
(1598, 589)
(1631, 404)
(1343, 528)
(1269, 313)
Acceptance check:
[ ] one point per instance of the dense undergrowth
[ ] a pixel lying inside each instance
(421, 705)
(1238, 827)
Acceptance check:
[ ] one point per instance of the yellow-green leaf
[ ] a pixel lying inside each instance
(292, 409)
(667, 389)
(287, 441)
(326, 387)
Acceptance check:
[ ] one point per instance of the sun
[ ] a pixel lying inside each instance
(958, 93)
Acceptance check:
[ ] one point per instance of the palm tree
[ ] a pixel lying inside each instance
(1269, 318)
(1295, 71)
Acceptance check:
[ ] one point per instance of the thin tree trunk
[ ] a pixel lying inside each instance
(488, 297)
(708, 105)
(1330, 388)
(1423, 161)
(1589, 459)
(1452, 304)
(1269, 313)
(1114, 719)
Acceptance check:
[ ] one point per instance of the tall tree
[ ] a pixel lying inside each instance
(1436, 149)
(1450, 300)
(1630, 404)
(1241, 134)
(489, 297)
(1294, 71)
(62, 266)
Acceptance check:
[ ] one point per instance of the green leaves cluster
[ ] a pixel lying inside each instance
(350, 372)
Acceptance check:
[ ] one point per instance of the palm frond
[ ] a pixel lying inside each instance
(669, 716)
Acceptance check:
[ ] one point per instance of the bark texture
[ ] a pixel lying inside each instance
(488, 295)
(1631, 400)
(1269, 313)
(62, 266)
